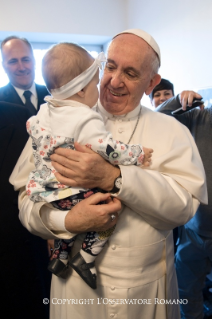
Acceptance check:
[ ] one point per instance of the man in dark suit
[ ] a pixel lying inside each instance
(19, 64)
(24, 278)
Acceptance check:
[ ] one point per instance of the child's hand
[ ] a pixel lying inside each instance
(147, 156)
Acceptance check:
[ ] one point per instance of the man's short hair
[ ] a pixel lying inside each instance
(14, 37)
(163, 85)
(63, 62)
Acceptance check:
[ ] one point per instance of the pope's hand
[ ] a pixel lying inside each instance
(83, 168)
(88, 216)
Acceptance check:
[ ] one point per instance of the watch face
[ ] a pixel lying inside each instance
(118, 182)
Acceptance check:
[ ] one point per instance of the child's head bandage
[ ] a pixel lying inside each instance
(78, 83)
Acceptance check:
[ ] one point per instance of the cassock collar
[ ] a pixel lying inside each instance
(125, 117)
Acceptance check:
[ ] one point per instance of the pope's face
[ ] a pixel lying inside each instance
(18, 63)
(127, 74)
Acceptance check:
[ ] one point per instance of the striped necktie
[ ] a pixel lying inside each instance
(28, 103)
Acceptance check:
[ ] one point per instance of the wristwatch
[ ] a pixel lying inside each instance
(117, 185)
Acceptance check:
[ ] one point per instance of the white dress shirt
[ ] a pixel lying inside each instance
(34, 97)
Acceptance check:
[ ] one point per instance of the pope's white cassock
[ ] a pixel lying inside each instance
(136, 275)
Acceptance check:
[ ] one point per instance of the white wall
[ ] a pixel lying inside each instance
(47, 20)
(183, 30)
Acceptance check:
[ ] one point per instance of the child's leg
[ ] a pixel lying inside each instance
(93, 245)
(60, 255)
(83, 262)
(62, 248)
(58, 264)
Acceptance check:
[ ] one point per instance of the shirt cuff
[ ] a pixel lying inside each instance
(53, 219)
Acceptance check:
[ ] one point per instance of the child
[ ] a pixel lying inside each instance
(72, 76)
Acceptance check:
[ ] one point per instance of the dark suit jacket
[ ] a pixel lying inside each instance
(9, 94)
(24, 279)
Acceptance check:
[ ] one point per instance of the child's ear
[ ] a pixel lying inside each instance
(81, 93)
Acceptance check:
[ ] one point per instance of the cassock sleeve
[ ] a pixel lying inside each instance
(167, 194)
(40, 219)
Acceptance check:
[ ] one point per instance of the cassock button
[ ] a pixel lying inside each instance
(120, 130)
(113, 247)
(112, 288)
(112, 315)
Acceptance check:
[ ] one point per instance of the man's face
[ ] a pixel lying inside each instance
(18, 63)
(127, 74)
(161, 96)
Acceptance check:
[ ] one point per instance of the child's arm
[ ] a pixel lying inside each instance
(92, 133)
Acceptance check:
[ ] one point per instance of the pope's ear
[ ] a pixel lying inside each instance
(154, 81)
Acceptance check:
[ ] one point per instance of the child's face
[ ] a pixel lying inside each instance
(92, 92)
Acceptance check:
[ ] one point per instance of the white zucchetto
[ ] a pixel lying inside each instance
(146, 37)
